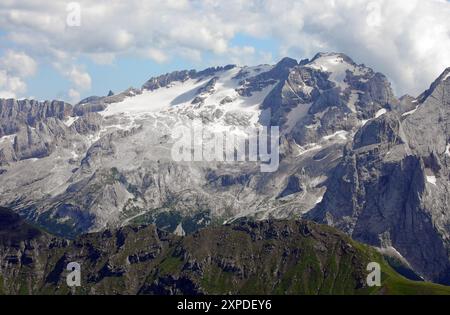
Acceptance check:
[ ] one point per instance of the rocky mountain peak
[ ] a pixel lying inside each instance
(444, 78)
(322, 56)
(283, 67)
(445, 75)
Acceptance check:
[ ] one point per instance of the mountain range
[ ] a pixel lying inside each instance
(266, 257)
(352, 155)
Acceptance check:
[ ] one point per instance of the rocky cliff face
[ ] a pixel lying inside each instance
(391, 188)
(16, 113)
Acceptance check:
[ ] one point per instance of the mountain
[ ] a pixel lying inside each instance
(267, 257)
(391, 187)
(105, 161)
(352, 155)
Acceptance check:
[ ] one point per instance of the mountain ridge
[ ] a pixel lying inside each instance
(237, 259)
(343, 136)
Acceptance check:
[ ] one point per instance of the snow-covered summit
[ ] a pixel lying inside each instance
(209, 95)
(338, 65)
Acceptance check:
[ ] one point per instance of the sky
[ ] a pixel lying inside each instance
(55, 49)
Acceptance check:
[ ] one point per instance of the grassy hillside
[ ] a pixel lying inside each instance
(270, 257)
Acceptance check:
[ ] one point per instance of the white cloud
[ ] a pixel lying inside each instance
(80, 78)
(74, 73)
(102, 58)
(123, 39)
(7, 94)
(18, 63)
(74, 96)
(408, 40)
(11, 86)
(15, 68)
(156, 55)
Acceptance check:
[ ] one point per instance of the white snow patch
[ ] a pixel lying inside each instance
(312, 126)
(179, 230)
(337, 66)
(307, 89)
(69, 121)
(226, 87)
(154, 101)
(178, 96)
(308, 148)
(446, 77)
(250, 105)
(447, 150)
(411, 111)
(431, 179)
(319, 200)
(93, 138)
(9, 138)
(352, 101)
(380, 113)
(157, 100)
(342, 134)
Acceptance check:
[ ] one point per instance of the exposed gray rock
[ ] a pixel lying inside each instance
(369, 164)
(384, 130)
(15, 114)
(257, 83)
(88, 123)
(293, 186)
(394, 183)
(406, 104)
(181, 76)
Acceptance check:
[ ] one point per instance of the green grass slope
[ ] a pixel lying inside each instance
(268, 257)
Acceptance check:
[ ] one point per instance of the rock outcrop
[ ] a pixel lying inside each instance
(391, 189)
